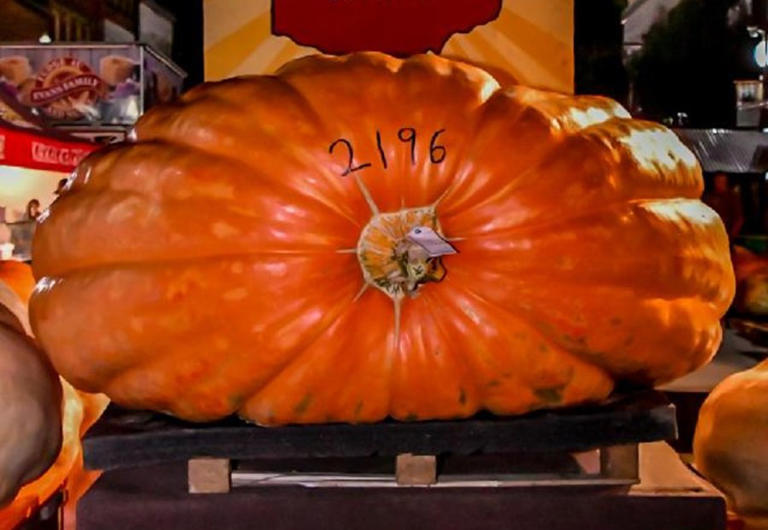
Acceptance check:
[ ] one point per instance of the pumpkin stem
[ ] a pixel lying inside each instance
(393, 263)
(367, 195)
(361, 292)
(398, 305)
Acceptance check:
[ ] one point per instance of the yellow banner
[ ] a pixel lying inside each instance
(532, 40)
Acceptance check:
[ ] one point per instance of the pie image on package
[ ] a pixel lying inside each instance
(165, 92)
(115, 69)
(15, 69)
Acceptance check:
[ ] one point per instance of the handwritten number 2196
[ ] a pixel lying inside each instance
(406, 135)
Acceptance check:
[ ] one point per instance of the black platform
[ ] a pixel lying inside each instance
(124, 439)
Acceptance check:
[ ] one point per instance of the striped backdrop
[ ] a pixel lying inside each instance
(531, 39)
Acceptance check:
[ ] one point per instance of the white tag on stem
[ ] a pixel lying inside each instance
(430, 241)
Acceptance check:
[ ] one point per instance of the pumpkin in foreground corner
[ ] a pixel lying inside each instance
(730, 446)
(251, 250)
(31, 399)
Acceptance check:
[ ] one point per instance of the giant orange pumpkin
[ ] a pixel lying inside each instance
(248, 251)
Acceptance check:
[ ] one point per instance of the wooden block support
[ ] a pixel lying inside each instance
(619, 461)
(416, 470)
(663, 471)
(208, 475)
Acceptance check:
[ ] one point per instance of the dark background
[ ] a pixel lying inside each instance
(188, 36)
(687, 65)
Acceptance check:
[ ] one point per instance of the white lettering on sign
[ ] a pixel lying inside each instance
(70, 85)
(49, 154)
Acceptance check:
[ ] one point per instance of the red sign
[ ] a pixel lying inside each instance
(26, 148)
(397, 27)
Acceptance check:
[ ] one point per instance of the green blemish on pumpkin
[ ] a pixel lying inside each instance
(303, 405)
(545, 326)
(462, 396)
(552, 394)
(411, 417)
(543, 347)
(494, 383)
(578, 340)
(358, 408)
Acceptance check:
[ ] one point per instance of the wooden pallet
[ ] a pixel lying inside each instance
(667, 497)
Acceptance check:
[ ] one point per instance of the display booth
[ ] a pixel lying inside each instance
(33, 162)
(84, 86)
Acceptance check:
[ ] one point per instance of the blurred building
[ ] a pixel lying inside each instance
(702, 67)
(639, 17)
(88, 20)
(742, 25)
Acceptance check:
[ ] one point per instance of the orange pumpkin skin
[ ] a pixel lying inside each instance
(18, 276)
(730, 446)
(229, 260)
(502, 76)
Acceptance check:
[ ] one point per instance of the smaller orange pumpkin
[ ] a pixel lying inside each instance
(730, 446)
